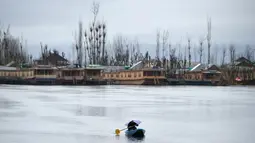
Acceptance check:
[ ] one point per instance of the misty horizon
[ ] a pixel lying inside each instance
(55, 22)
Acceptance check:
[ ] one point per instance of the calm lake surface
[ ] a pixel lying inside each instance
(62, 114)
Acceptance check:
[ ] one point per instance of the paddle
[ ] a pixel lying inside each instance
(117, 131)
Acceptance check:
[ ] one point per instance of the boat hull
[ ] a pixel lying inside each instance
(52, 81)
(141, 82)
(138, 133)
(192, 82)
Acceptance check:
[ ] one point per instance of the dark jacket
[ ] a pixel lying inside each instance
(132, 125)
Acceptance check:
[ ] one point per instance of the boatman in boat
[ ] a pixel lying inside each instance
(132, 125)
(133, 131)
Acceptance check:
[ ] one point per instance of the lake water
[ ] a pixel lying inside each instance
(179, 114)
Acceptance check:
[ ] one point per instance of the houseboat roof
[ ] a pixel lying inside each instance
(71, 69)
(198, 67)
(94, 67)
(137, 65)
(153, 69)
(44, 67)
(7, 68)
(113, 68)
(211, 71)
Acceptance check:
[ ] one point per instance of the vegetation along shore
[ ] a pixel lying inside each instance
(122, 63)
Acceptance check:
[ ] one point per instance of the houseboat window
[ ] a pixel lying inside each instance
(74, 73)
(94, 73)
(64, 73)
(157, 73)
(151, 73)
(117, 75)
(129, 74)
(208, 76)
(44, 72)
(135, 74)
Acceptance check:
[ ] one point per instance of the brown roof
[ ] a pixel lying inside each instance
(53, 58)
(243, 62)
(57, 57)
(243, 59)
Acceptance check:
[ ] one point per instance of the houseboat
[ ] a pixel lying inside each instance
(71, 75)
(93, 75)
(197, 74)
(202, 75)
(136, 75)
(13, 75)
(242, 70)
(42, 75)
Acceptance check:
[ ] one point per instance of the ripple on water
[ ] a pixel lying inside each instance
(9, 104)
(98, 111)
(90, 114)
(16, 114)
(63, 120)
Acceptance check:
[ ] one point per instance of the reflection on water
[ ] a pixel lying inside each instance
(65, 114)
(45, 98)
(91, 111)
(131, 139)
(8, 104)
(56, 119)
(12, 114)
(99, 111)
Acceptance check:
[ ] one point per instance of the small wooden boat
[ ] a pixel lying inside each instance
(137, 133)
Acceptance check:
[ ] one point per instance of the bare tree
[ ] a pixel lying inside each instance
(195, 53)
(216, 54)
(201, 50)
(248, 53)
(121, 50)
(209, 38)
(223, 56)
(212, 59)
(173, 60)
(118, 45)
(165, 35)
(164, 42)
(93, 29)
(11, 48)
(95, 39)
(79, 45)
(232, 53)
(189, 52)
(146, 59)
(158, 47)
(104, 51)
(138, 52)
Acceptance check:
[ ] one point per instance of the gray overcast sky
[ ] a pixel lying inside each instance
(54, 21)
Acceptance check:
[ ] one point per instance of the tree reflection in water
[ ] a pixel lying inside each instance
(91, 111)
